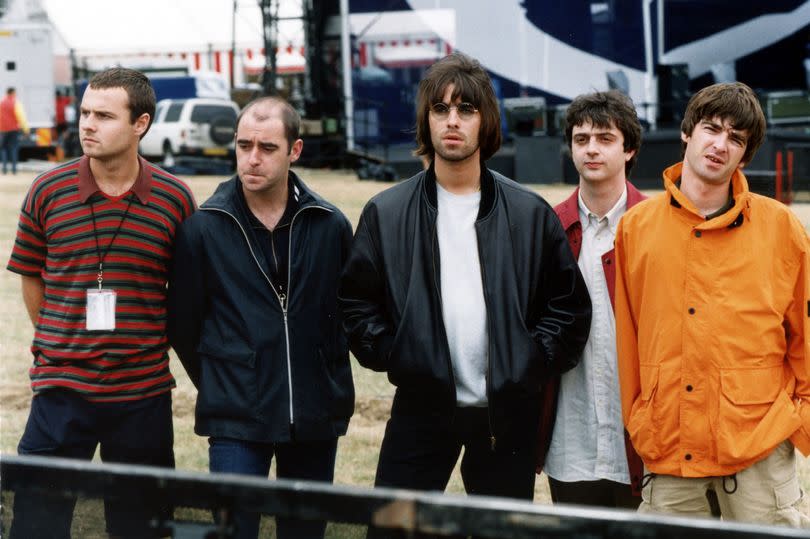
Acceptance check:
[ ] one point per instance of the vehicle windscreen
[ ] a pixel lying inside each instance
(203, 114)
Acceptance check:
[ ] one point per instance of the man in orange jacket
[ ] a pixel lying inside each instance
(713, 322)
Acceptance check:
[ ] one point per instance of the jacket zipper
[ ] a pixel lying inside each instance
(286, 301)
(437, 286)
(492, 440)
(283, 299)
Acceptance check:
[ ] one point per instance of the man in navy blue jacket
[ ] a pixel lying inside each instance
(253, 315)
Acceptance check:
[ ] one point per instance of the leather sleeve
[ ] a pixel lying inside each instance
(564, 305)
(362, 296)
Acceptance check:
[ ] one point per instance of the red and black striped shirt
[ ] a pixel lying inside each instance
(56, 239)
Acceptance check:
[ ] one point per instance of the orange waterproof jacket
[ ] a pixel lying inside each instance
(712, 324)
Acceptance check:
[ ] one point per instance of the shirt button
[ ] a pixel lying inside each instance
(698, 233)
(688, 456)
(691, 310)
(689, 387)
(607, 261)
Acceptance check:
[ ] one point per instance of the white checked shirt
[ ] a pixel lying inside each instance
(588, 439)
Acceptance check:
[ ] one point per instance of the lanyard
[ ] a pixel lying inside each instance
(107, 250)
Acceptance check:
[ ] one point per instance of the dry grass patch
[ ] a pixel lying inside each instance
(357, 452)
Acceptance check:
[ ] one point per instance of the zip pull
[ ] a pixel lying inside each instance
(492, 442)
(283, 299)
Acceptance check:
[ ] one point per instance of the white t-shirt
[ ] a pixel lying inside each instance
(463, 308)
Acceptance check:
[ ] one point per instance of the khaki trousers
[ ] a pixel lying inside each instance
(767, 492)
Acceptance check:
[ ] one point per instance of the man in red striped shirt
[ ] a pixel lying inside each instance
(93, 247)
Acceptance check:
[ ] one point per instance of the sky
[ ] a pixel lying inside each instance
(123, 26)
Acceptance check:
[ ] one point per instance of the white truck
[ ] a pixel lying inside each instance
(26, 63)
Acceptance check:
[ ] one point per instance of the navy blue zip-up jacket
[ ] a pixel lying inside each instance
(267, 368)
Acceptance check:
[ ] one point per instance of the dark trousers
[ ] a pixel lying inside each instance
(9, 149)
(63, 424)
(419, 451)
(313, 461)
(601, 493)
(421, 447)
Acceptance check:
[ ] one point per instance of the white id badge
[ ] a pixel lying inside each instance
(100, 310)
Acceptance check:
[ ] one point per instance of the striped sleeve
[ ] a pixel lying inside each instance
(29, 251)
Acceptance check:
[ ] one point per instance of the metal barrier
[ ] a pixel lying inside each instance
(401, 513)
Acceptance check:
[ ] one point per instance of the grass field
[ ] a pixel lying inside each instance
(357, 452)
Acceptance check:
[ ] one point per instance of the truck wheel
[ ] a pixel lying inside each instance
(222, 130)
(168, 155)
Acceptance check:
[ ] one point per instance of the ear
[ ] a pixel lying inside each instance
(684, 138)
(629, 155)
(295, 152)
(141, 124)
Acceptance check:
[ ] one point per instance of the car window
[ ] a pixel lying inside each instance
(173, 114)
(159, 110)
(202, 114)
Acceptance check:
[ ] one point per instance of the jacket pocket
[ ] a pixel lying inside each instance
(754, 413)
(228, 383)
(643, 423)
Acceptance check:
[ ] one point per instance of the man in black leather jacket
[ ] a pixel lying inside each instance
(253, 315)
(461, 285)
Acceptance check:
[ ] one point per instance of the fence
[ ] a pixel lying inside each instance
(402, 513)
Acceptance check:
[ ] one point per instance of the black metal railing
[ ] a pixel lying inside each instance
(403, 513)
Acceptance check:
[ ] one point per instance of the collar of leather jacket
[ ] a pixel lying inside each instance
(487, 190)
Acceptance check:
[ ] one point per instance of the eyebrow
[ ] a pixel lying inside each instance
(262, 143)
(733, 131)
(594, 133)
(97, 111)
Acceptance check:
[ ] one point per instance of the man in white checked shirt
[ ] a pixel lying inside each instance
(589, 461)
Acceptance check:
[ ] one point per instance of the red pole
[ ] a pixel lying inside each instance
(778, 186)
(790, 176)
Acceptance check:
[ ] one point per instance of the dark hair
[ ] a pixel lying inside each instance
(604, 110)
(139, 90)
(10, 90)
(471, 84)
(734, 102)
(289, 117)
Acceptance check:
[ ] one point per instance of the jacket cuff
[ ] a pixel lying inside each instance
(801, 440)
(384, 346)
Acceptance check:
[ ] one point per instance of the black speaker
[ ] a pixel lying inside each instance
(673, 93)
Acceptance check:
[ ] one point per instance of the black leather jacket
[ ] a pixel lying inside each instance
(537, 303)
(260, 361)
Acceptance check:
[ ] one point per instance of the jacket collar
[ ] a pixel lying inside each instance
(487, 190)
(226, 195)
(732, 218)
(568, 210)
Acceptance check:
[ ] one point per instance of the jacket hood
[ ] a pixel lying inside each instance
(739, 188)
